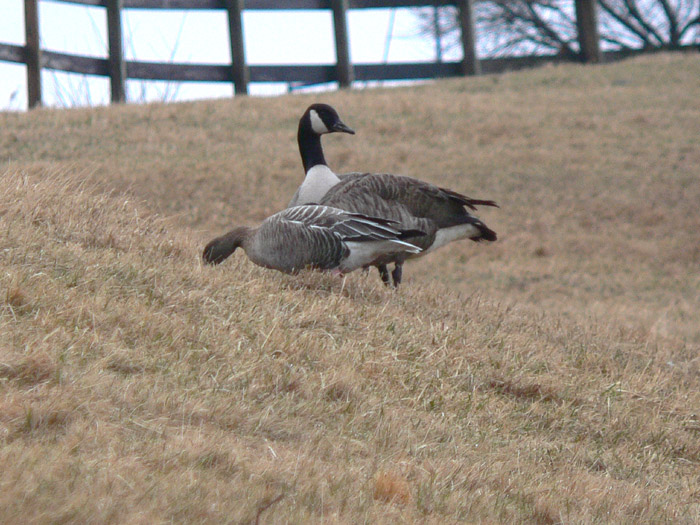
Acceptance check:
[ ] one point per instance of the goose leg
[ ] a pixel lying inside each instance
(396, 274)
(384, 274)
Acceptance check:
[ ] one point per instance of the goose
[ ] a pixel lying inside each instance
(442, 215)
(316, 237)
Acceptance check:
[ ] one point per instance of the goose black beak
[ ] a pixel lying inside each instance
(342, 128)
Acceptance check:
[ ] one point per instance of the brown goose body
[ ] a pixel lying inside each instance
(414, 204)
(405, 200)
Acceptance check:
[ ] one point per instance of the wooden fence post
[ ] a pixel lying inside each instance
(32, 52)
(344, 68)
(438, 33)
(241, 75)
(117, 66)
(587, 26)
(470, 62)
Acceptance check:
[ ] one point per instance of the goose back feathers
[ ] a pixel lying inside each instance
(318, 237)
(408, 201)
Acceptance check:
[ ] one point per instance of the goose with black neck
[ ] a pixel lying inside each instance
(442, 215)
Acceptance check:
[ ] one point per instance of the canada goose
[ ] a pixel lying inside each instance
(318, 237)
(415, 205)
(441, 214)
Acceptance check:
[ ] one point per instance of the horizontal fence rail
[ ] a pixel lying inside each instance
(269, 5)
(241, 74)
(306, 74)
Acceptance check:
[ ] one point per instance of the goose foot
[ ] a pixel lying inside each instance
(384, 274)
(396, 274)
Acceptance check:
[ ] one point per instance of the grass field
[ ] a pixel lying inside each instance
(550, 377)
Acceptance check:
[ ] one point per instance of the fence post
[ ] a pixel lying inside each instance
(438, 33)
(117, 66)
(342, 47)
(241, 76)
(587, 26)
(32, 52)
(470, 62)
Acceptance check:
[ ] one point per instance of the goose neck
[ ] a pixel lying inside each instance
(241, 236)
(310, 146)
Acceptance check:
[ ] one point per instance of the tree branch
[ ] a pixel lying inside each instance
(549, 32)
(688, 27)
(532, 25)
(625, 22)
(672, 16)
(634, 12)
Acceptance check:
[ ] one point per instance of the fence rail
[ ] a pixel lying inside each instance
(241, 74)
(269, 5)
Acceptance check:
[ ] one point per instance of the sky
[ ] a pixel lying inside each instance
(271, 37)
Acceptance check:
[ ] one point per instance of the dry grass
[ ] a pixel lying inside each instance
(552, 377)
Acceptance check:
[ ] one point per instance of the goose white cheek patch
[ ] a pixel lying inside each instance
(317, 124)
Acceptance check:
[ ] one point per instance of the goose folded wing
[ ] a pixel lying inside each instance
(392, 187)
(298, 242)
(358, 227)
(346, 225)
(467, 201)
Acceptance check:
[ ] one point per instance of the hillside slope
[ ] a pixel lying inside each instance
(595, 169)
(520, 381)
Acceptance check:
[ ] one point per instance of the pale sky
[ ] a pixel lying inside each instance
(271, 37)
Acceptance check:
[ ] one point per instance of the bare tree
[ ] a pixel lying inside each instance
(666, 24)
(515, 27)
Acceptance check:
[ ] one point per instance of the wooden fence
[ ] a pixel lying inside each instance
(241, 74)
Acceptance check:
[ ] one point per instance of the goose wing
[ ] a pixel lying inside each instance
(393, 186)
(297, 238)
(347, 226)
(401, 198)
(467, 201)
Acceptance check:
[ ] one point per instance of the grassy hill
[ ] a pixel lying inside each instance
(550, 377)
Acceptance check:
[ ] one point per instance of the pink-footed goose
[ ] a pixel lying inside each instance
(315, 237)
(441, 214)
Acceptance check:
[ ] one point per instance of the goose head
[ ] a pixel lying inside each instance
(321, 119)
(317, 120)
(220, 248)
